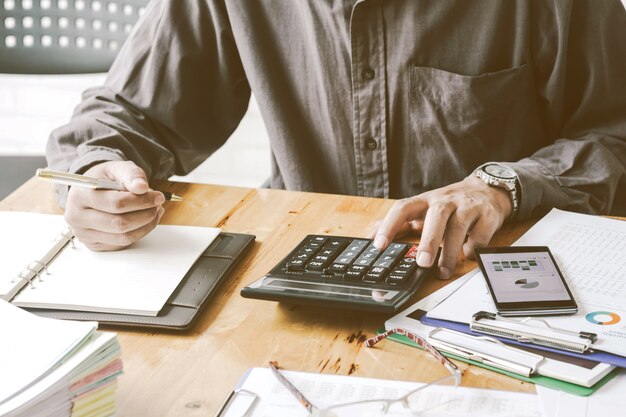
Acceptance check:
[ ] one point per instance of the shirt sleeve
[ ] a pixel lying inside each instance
(580, 71)
(174, 94)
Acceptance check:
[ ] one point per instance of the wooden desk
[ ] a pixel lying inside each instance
(189, 374)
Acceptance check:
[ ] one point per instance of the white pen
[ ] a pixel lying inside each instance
(77, 180)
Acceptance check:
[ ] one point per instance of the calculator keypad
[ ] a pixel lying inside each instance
(353, 261)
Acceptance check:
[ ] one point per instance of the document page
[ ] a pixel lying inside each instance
(136, 280)
(606, 402)
(325, 390)
(591, 253)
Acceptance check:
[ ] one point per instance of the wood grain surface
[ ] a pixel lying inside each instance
(190, 373)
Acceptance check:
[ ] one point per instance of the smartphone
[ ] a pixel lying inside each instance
(525, 281)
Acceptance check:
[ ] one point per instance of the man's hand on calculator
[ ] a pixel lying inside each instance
(469, 208)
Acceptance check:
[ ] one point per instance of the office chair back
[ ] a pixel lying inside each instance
(64, 36)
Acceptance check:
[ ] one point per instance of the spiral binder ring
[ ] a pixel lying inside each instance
(26, 278)
(35, 269)
(33, 277)
(42, 266)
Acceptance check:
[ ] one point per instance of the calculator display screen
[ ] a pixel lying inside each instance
(375, 295)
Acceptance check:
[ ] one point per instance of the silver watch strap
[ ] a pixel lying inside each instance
(502, 183)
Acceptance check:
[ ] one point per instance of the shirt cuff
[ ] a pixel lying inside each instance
(540, 190)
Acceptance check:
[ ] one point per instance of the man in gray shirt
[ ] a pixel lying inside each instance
(395, 99)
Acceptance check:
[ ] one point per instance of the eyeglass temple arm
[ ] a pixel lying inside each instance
(292, 388)
(420, 342)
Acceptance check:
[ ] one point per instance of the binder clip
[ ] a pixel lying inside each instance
(532, 330)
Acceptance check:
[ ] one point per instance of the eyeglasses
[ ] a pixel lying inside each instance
(416, 401)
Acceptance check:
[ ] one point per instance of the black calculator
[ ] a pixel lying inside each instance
(343, 272)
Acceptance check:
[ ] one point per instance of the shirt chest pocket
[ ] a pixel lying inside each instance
(458, 122)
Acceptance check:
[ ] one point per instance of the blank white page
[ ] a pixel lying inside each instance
(136, 280)
(26, 237)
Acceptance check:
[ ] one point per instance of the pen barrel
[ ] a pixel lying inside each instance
(108, 185)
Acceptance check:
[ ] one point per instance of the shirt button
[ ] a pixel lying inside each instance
(371, 144)
(368, 74)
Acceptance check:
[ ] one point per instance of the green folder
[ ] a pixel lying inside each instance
(534, 379)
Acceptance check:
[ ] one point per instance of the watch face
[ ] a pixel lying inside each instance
(500, 171)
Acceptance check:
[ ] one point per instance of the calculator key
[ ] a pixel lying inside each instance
(376, 274)
(372, 249)
(322, 258)
(339, 267)
(353, 275)
(335, 244)
(316, 242)
(396, 279)
(408, 260)
(395, 246)
(363, 262)
(384, 264)
(395, 249)
(401, 272)
(308, 249)
(405, 267)
(386, 260)
(355, 272)
(296, 265)
(357, 245)
(315, 266)
(412, 252)
(327, 252)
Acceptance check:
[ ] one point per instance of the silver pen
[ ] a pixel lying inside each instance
(77, 180)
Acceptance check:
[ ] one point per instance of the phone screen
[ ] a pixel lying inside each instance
(525, 279)
(519, 277)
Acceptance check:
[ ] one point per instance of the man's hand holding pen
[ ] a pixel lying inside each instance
(110, 219)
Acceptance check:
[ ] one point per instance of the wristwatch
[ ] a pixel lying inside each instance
(501, 176)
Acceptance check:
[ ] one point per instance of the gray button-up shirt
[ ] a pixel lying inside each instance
(384, 98)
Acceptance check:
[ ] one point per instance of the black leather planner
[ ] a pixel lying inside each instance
(195, 291)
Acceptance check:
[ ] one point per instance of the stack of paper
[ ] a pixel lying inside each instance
(55, 368)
